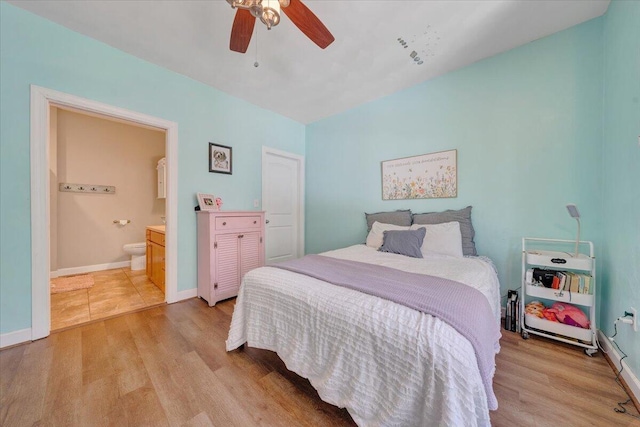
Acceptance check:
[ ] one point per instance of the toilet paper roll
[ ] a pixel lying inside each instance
(123, 222)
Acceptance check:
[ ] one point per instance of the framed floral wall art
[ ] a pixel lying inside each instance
(428, 176)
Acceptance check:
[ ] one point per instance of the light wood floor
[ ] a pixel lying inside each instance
(167, 366)
(115, 292)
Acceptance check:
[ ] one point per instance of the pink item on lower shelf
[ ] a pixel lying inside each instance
(570, 315)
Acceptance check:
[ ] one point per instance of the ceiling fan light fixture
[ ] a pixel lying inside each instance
(252, 6)
(270, 13)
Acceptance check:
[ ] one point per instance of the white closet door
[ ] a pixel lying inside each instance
(283, 201)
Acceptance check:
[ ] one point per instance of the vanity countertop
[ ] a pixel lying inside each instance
(158, 228)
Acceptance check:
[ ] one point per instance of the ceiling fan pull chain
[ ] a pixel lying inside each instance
(255, 64)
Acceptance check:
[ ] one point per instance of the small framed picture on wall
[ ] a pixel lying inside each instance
(219, 158)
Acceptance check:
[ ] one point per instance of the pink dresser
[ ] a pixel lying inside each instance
(230, 243)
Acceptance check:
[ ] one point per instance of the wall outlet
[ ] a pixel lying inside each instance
(256, 203)
(634, 312)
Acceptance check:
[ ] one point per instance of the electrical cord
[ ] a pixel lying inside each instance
(620, 409)
(600, 345)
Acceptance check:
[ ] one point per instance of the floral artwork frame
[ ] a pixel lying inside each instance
(207, 202)
(219, 158)
(427, 176)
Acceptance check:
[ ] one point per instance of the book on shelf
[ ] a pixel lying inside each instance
(575, 282)
(585, 280)
(587, 284)
(561, 280)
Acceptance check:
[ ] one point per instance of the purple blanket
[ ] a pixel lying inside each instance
(464, 308)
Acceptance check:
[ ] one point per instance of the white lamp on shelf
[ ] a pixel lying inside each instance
(573, 211)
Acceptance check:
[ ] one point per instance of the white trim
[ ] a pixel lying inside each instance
(301, 185)
(41, 99)
(187, 294)
(629, 376)
(89, 268)
(40, 256)
(15, 337)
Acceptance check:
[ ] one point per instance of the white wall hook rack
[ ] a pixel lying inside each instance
(86, 188)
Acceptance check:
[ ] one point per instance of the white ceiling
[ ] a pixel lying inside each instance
(295, 77)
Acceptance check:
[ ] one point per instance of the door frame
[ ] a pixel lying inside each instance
(301, 184)
(41, 101)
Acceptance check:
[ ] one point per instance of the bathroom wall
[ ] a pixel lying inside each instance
(96, 150)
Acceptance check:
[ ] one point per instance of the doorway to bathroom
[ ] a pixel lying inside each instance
(107, 205)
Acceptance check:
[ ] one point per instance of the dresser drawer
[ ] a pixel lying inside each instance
(155, 237)
(238, 222)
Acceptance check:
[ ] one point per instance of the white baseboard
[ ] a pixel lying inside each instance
(15, 337)
(189, 293)
(629, 376)
(89, 268)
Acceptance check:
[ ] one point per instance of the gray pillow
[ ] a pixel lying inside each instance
(396, 218)
(404, 242)
(463, 216)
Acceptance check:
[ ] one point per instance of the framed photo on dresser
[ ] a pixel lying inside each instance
(207, 202)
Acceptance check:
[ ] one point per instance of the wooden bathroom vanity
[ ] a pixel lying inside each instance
(155, 255)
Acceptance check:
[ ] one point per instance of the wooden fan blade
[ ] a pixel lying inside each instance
(242, 31)
(308, 23)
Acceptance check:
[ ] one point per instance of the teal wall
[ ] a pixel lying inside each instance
(527, 125)
(36, 51)
(620, 259)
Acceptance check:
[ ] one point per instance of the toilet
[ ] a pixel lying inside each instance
(137, 252)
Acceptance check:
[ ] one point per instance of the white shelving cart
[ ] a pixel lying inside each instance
(548, 254)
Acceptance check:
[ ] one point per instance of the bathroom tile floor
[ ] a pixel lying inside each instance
(115, 291)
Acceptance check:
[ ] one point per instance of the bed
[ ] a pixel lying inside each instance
(386, 363)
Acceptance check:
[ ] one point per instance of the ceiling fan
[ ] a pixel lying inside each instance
(269, 13)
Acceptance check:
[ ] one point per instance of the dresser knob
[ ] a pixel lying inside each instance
(224, 223)
(267, 221)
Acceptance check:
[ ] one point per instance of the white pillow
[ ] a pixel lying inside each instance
(444, 239)
(376, 235)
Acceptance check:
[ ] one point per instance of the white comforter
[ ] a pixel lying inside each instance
(389, 365)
